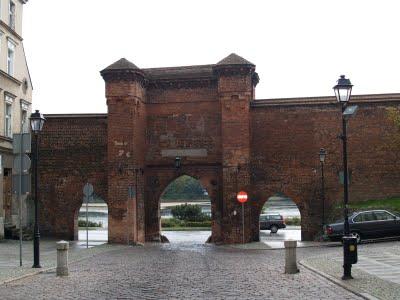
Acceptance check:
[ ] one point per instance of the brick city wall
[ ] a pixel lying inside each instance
(206, 115)
(72, 152)
(286, 139)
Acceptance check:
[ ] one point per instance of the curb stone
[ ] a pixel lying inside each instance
(339, 282)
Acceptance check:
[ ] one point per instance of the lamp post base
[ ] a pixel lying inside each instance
(347, 272)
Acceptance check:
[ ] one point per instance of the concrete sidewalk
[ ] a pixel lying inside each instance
(9, 256)
(376, 275)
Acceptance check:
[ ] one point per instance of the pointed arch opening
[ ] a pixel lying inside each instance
(97, 217)
(185, 211)
(280, 219)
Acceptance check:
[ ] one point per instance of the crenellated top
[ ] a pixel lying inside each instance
(179, 77)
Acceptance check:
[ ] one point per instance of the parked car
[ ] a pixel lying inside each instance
(271, 222)
(370, 224)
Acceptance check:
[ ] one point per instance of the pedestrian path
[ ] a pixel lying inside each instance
(376, 274)
(383, 265)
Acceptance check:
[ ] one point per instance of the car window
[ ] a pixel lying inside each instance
(275, 217)
(263, 218)
(383, 215)
(365, 217)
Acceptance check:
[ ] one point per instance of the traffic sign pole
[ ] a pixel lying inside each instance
(87, 222)
(242, 198)
(242, 222)
(21, 166)
(20, 200)
(88, 192)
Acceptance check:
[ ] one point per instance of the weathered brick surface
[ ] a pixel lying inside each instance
(72, 152)
(285, 144)
(261, 146)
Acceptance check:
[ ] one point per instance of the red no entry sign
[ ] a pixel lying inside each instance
(242, 197)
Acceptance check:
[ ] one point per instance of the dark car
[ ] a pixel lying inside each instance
(272, 222)
(370, 224)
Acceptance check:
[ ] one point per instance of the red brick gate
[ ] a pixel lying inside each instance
(207, 116)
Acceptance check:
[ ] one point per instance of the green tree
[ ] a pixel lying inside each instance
(188, 212)
(184, 188)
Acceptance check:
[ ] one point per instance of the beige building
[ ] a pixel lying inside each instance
(15, 105)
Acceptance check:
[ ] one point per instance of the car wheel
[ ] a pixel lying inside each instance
(274, 229)
(357, 236)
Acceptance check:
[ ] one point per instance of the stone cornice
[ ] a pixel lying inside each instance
(74, 116)
(182, 83)
(329, 100)
(232, 70)
(13, 32)
(5, 139)
(124, 75)
(229, 70)
(9, 77)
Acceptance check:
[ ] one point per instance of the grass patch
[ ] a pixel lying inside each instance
(174, 223)
(390, 204)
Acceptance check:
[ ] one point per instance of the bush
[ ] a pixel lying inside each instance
(293, 221)
(189, 212)
(171, 222)
(82, 223)
(198, 224)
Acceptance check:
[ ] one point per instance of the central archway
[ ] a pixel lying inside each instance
(185, 211)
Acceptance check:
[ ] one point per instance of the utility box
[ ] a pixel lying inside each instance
(350, 250)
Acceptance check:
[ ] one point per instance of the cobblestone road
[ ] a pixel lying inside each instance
(180, 272)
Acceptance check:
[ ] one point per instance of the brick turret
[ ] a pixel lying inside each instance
(125, 93)
(236, 81)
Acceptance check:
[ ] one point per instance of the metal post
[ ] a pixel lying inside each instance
(36, 235)
(323, 193)
(20, 197)
(346, 264)
(87, 222)
(136, 205)
(242, 223)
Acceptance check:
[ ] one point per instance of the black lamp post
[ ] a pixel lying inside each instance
(343, 92)
(37, 121)
(322, 155)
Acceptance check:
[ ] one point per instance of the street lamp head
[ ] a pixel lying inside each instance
(322, 155)
(350, 111)
(177, 162)
(343, 89)
(37, 121)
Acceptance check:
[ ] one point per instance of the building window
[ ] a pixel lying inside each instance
(8, 117)
(24, 115)
(10, 58)
(11, 13)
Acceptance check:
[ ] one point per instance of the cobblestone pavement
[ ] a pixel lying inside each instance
(181, 271)
(9, 256)
(377, 272)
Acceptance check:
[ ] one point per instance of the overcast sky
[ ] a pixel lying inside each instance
(299, 47)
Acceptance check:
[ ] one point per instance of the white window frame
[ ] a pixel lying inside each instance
(10, 58)
(8, 118)
(11, 14)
